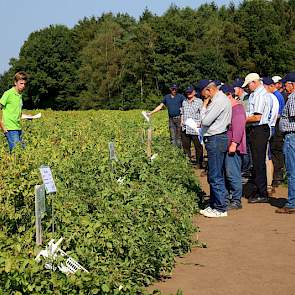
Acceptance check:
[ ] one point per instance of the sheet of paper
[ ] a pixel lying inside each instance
(30, 117)
(192, 124)
(146, 116)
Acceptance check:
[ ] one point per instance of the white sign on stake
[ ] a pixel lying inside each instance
(48, 179)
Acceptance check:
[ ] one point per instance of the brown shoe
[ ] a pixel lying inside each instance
(285, 210)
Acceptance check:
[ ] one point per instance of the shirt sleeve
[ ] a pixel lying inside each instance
(164, 101)
(238, 124)
(259, 104)
(209, 114)
(291, 107)
(4, 99)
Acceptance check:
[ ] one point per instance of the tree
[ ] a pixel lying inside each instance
(101, 63)
(49, 56)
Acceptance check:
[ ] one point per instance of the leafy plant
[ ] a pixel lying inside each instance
(126, 233)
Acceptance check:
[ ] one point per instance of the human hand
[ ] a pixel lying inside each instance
(206, 101)
(232, 148)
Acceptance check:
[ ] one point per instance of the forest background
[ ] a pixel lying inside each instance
(118, 62)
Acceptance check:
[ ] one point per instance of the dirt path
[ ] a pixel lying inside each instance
(252, 251)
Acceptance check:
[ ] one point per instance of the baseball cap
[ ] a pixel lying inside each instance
(227, 89)
(203, 84)
(238, 82)
(217, 82)
(190, 89)
(276, 79)
(267, 81)
(173, 86)
(250, 78)
(290, 77)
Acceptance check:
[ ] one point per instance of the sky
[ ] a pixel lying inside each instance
(19, 18)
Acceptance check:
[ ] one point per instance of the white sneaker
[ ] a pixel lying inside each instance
(215, 213)
(207, 209)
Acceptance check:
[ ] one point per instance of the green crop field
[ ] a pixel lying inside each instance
(126, 234)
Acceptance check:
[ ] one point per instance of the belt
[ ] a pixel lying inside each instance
(254, 126)
(225, 132)
(174, 117)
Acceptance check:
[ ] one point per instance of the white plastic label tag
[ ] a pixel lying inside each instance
(48, 179)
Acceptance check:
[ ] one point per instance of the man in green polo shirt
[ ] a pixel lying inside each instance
(11, 104)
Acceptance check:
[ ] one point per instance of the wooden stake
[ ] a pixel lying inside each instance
(149, 143)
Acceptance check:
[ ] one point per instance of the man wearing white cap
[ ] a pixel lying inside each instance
(258, 122)
(280, 87)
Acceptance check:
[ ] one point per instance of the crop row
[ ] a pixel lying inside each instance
(126, 233)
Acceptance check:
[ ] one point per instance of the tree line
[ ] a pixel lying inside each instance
(118, 62)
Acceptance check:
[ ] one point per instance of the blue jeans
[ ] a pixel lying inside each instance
(175, 131)
(233, 177)
(289, 153)
(13, 137)
(216, 147)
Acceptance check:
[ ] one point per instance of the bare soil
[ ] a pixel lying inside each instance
(252, 251)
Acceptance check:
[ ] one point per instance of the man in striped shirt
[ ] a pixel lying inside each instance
(258, 122)
(287, 126)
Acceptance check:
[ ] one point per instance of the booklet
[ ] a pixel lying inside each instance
(192, 124)
(30, 117)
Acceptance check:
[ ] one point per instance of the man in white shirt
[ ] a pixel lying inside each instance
(258, 122)
(273, 116)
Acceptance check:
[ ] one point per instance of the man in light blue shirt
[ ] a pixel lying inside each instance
(258, 122)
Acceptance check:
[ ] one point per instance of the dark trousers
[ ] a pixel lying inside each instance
(247, 158)
(259, 136)
(277, 156)
(175, 131)
(186, 140)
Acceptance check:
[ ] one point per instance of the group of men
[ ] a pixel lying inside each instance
(246, 126)
(250, 123)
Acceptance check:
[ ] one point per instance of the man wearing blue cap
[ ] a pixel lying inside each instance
(243, 96)
(216, 117)
(287, 126)
(173, 102)
(236, 150)
(191, 110)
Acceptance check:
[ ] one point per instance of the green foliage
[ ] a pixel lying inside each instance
(126, 234)
(117, 62)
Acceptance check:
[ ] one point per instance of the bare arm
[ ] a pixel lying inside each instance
(157, 109)
(254, 118)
